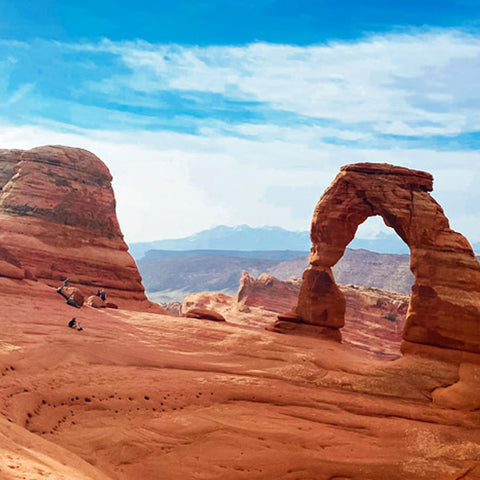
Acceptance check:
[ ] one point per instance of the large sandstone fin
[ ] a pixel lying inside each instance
(58, 220)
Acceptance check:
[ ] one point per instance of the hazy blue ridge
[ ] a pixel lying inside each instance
(279, 255)
(256, 241)
(239, 238)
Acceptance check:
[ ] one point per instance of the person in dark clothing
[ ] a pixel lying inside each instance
(73, 323)
(101, 294)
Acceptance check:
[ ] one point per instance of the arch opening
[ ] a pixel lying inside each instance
(375, 278)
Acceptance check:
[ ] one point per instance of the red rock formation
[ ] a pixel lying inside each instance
(444, 308)
(374, 318)
(267, 293)
(203, 314)
(95, 301)
(137, 396)
(57, 220)
(228, 307)
(73, 296)
(205, 300)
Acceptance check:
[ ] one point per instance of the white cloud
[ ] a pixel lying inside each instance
(403, 84)
(171, 185)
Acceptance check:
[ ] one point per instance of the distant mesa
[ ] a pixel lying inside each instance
(443, 309)
(58, 220)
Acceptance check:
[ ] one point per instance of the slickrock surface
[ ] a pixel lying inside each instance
(374, 319)
(57, 220)
(142, 396)
(444, 309)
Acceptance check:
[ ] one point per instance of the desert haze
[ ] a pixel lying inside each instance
(279, 390)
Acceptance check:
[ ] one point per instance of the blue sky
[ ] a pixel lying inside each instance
(234, 112)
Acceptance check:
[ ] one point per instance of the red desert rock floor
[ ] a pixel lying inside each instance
(141, 396)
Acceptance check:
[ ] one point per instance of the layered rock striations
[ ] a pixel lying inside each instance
(444, 306)
(58, 220)
(267, 292)
(374, 318)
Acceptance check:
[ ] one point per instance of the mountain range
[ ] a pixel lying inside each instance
(245, 238)
(213, 260)
(241, 237)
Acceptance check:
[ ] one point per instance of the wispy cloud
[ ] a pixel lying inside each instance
(406, 85)
(388, 89)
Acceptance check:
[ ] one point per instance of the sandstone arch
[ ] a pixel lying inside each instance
(445, 300)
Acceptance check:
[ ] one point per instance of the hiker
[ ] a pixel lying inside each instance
(73, 323)
(101, 294)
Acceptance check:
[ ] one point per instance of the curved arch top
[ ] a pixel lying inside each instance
(444, 306)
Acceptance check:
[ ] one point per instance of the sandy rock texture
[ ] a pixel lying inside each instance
(267, 292)
(143, 396)
(58, 220)
(444, 307)
(374, 319)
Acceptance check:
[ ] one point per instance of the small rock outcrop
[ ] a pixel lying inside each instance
(267, 293)
(374, 318)
(58, 220)
(444, 306)
(95, 301)
(72, 295)
(203, 314)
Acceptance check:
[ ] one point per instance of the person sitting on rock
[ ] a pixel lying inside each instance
(101, 294)
(73, 323)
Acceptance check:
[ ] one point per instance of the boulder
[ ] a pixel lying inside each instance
(73, 296)
(205, 315)
(95, 301)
